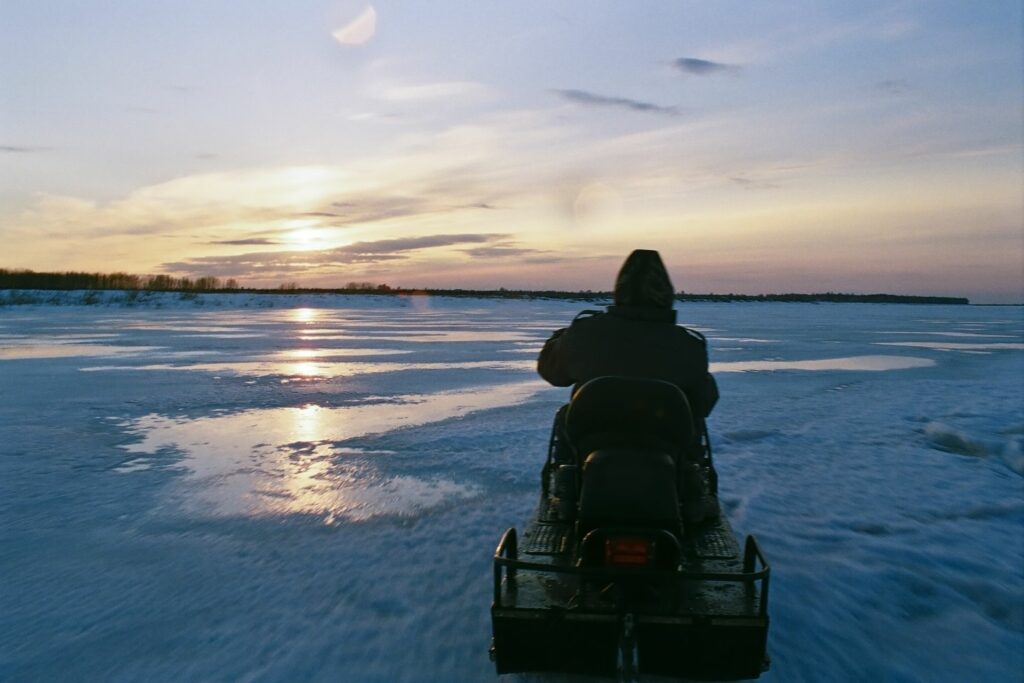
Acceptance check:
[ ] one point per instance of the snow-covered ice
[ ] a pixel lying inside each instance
(283, 488)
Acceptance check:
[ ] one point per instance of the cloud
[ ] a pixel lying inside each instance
(895, 86)
(592, 99)
(498, 251)
(752, 184)
(374, 208)
(246, 241)
(371, 209)
(359, 30)
(296, 262)
(402, 244)
(22, 149)
(703, 67)
(448, 90)
(233, 204)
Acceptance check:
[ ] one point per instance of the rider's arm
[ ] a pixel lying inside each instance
(703, 395)
(710, 394)
(552, 364)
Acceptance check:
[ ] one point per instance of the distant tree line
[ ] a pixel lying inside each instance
(832, 297)
(27, 279)
(589, 295)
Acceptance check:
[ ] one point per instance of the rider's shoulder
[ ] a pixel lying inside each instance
(695, 335)
(587, 314)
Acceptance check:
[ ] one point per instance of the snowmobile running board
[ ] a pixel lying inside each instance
(549, 615)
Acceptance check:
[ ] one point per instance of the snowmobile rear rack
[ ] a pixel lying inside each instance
(697, 624)
(506, 557)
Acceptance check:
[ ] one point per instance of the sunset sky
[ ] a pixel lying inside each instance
(788, 146)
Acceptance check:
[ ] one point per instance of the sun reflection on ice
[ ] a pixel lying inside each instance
(309, 423)
(307, 369)
(319, 369)
(305, 315)
(275, 461)
(302, 353)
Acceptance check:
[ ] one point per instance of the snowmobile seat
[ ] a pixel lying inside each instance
(633, 412)
(629, 487)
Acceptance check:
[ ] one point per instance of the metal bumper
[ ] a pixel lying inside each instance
(680, 643)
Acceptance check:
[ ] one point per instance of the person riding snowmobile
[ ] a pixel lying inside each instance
(638, 337)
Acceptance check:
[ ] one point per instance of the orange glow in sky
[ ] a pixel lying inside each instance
(808, 147)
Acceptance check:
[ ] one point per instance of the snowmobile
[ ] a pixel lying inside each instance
(627, 566)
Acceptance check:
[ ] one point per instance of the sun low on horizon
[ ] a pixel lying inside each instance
(805, 147)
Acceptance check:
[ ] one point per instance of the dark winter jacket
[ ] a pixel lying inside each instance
(636, 337)
(633, 342)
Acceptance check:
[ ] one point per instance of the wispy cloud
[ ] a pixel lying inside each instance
(416, 92)
(268, 202)
(250, 241)
(365, 209)
(752, 183)
(703, 67)
(293, 262)
(371, 209)
(499, 251)
(895, 86)
(403, 244)
(594, 100)
(22, 149)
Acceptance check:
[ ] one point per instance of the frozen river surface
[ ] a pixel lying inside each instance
(236, 488)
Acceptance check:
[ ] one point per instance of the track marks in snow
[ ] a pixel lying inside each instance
(749, 435)
(1007, 445)
(944, 438)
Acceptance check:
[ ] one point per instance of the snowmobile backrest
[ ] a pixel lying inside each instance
(629, 411)
(623, 486)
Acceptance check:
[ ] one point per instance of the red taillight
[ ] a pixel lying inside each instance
(629, 552)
